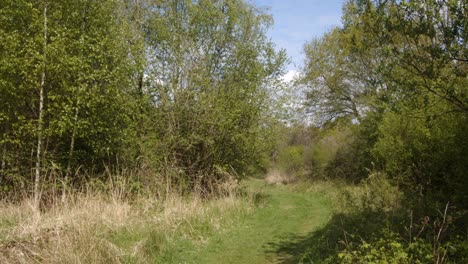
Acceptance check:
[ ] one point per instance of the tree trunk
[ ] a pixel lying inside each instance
(3, 163)
(41, 116)
(70, 155)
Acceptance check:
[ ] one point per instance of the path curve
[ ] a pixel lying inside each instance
(284, 213)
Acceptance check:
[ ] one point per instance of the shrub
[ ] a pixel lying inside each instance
(291, 159)
(386, 247)
(374, 194)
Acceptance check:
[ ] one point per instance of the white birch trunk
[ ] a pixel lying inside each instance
(40, 120)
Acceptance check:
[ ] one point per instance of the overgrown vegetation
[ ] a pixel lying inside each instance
(108, 227)
(393, 81)
(126, 126)
(179, 90)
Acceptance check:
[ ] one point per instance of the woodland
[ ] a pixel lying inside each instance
(141, 131)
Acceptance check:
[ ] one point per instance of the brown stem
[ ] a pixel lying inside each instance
(70, 155)
(3, 163)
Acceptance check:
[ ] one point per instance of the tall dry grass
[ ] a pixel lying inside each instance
(277, 176)
(108, 227)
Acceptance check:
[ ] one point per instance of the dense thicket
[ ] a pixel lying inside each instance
(179, 89)
(396, 73)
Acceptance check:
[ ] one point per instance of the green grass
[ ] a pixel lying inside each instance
(267, 224)
(284, 214)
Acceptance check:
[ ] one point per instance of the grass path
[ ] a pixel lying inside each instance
(283, 215)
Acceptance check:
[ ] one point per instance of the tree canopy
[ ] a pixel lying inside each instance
(181, 88)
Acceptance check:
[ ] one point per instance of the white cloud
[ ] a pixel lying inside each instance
(290, 75)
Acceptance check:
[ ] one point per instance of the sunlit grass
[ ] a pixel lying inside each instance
(97, 228)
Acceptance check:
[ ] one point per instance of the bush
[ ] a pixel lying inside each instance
(428, 155)
(386, 247)
(375, 194)
(372, 225)
(291, 159)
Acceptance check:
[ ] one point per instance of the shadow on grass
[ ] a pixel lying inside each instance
(258, 197)
(326, 242)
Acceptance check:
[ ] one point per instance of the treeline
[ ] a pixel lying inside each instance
(176, 91)
(389, 88)
(398, 72)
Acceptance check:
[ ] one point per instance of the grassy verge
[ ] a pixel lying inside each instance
(99, 229)
(255, 227)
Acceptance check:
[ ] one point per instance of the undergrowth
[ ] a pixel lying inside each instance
(373, 222)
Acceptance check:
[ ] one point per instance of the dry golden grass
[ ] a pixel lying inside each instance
(275, 176)
(80, 230)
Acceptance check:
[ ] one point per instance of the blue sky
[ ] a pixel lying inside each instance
(299, 21)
